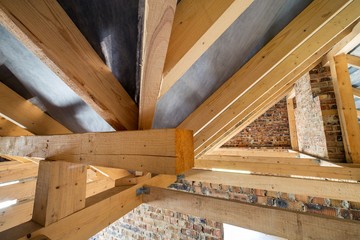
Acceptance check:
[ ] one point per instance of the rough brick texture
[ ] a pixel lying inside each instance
(270, 130)
(317, 120)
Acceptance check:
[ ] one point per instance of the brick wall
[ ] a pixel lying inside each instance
(317, 121)
(270, 130)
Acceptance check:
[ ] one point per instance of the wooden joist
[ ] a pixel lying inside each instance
(356, 92)
(26, 114)
(307, 187)
(278, 153)
(16, 214)
(278, 169)
(158, 21)
(278, 222)
(197, 25)
(18, 171)
(8, 128)
(46, 30)
(346, 107)
(167, 151)
(281, 57)
(25, 189)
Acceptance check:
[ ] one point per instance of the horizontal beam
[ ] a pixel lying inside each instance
(308, 187)
(278, 153)
(25, 189)
(278, 222)
(18, 171)
(168, 151)
(278, 169)
(28, 115)
(48, 32)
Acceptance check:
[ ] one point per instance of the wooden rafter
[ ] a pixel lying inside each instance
(8, 128)
(292, 123)
(197, 25)
(205, 120)
(28, 115)
(356, 92)
(46, 30)
(158, 21)
(157, 151)
(278, 153)
(291, 225)
(353, 60)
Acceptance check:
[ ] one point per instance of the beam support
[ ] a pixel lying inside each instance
(292, 124)
(197, 25)
(158, 21)
(353, 60)
(168, 151)
(278, 222)
(47, 31)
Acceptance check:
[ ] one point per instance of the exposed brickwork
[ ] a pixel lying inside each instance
(317, 120)
(270, 130)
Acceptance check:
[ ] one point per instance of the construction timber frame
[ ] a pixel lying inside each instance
(72, 185)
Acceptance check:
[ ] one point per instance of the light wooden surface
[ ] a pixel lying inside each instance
(8, 128)
(157, 151)
(28, 115)
(60, 191)
(197, 25)
(278, 153)
(21, 191)
(18, 171)
(346, 107)
(45, 29)
(353, 60)
(356, 92)
(158, 21)
(278, 222)
(308, 187)
(282, 45)
(292, 124)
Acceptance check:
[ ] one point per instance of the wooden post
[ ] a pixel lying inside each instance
(60, 191)
(292, 124)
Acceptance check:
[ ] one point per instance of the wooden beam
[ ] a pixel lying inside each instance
(157, 151)
(278, 50)
(277, 169)
(356, 92)
(25, 189)
(197, 25)
(90, 220)
(113, 173)
(158, 21)
(8, 128)
(292, 124)
(28, 115)
(19, 171)
(278, 153)
(278, 222)
(60, 191)
(279, 79)
(308, 187)
(46, 30)
(127, 181)
(353, 60)
(346, 107)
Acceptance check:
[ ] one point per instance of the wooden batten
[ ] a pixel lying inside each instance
(353, 60)
(8, 128)
(356, 92)
(167, 151)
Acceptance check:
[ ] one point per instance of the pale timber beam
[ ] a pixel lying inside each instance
(60, 191)
(356, 92)
(46, 30)
(278, 222)
(353, 60)
(277, 169)
(25, 189)
(158, 21)
(90, 220)
(292, 123)
(278, 153)
(308, 187)
(19, 171)
(281, 76)
(168, 151)
(197, 25)
(28, 115)
(346, 107)
(8, 128)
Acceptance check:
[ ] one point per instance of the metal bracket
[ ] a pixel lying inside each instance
(142, 190)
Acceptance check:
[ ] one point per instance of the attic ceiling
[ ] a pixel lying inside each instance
(112, 29)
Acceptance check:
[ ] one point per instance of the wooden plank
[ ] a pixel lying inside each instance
(25, 189)
(60, 191)
(356, 92)
(278, 153)
(292, 124)
(278, 222)
(8, 128)
(308, 187)
(353, 60)
(277, 81)
(158, 21)
(20, 171)
(132, 180)
(156, 151)
(26, 114)
(346, 107)
(206, 20)
(46, 30)
(278, 169)
(113, 173)
(90, 220)
(298, 32)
